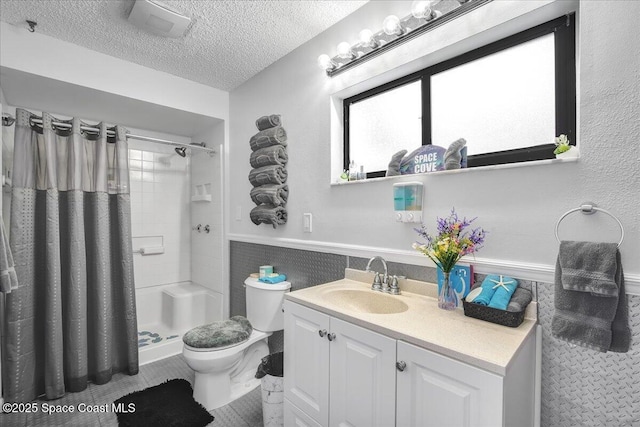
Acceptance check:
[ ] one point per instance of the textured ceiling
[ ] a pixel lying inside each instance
(227, 43)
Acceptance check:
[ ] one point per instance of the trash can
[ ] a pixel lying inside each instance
(271, 371)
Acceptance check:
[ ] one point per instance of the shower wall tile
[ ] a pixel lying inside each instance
(206, 250)
(160, 207)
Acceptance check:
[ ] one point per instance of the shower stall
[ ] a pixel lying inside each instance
(176, 230)
(176, 218)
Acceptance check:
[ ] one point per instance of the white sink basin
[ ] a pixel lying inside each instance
(365, 301)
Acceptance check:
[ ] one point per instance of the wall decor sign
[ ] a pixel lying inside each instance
(430, 158)
(427, 158)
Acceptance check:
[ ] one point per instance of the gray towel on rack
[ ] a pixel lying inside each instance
(8, 278)
(519, 300)
(274, 155)
(266, 122)
(268, 214)
(268, 175)
(268, 137)
(272, 194)
(590, 301)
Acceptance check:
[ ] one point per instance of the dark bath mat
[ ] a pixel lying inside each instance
(169, 404)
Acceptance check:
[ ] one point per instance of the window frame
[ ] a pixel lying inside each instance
(563, 29)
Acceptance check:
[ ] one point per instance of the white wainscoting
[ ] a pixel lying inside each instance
(521, 270)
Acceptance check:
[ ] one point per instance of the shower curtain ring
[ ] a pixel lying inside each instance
(7, 119)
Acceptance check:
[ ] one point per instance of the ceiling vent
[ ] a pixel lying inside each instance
(158, 18)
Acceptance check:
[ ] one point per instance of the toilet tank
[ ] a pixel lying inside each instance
(264, 304)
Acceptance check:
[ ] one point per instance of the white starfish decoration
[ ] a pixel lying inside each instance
(501, 282)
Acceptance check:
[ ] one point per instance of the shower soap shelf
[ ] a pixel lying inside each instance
(201, 193)
(201, 198)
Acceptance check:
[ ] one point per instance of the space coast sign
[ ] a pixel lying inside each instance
(428, 158)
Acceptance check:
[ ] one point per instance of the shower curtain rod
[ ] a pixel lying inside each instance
(64, 125)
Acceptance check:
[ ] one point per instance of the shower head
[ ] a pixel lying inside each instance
(182, 151)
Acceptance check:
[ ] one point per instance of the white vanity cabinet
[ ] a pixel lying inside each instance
(434, 390)
(336, 373)
(340, 374)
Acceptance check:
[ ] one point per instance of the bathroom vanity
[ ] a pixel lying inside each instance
(363, 358)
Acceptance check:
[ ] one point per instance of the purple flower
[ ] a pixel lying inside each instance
(452, 241)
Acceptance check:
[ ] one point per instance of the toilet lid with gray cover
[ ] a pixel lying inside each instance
(224, 333)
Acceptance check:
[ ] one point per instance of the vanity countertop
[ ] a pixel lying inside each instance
(482, 344)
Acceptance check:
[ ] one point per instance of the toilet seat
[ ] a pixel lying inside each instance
(231, 349)
(219, 335)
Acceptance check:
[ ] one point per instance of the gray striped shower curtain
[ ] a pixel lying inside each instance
(72, 318)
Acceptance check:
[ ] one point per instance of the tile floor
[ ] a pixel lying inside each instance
(244, 412)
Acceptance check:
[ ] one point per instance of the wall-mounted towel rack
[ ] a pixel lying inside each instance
(589, 208)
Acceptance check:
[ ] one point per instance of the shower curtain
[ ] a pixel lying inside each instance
(73, 316)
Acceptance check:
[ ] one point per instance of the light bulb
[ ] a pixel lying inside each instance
(391, 26)
(367, 39)
(421, 9)
(325, 62)
(344, 51)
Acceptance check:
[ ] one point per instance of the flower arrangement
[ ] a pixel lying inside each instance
(562, 144)
(452, 241)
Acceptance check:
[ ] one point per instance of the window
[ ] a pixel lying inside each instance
(508, 99)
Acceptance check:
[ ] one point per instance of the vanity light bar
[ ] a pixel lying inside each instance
(396, 32)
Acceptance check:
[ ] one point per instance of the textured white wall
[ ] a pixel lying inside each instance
(519, 206)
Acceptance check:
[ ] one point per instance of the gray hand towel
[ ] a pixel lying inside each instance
(519, 300)
(8, 278)
(268, 175)
(590, 301)
(268, 214)
(274, 155)
(453, 155)
(271, 194)
(266, 122)
(268, 137)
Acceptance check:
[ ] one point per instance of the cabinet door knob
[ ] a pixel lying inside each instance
(331, 336)
(322, 333)
(401, 366)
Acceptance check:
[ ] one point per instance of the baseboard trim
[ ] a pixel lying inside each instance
(521, 270)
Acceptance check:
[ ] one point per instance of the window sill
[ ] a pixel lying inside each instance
(466, 170)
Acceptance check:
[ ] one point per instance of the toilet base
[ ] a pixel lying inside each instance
(217, 388)
(203, 387)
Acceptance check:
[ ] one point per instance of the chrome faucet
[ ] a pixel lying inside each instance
(379, 285)
(394, 289)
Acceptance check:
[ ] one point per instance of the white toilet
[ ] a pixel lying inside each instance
(224, 374)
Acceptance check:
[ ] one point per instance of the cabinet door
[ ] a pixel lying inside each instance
(434, 390)
(362, 377)
(294, 417)
(306, 361)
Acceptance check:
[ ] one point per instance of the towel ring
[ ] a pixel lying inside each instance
(588, 209)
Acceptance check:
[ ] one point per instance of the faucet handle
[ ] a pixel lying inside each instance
(394, 289)
(377, 283)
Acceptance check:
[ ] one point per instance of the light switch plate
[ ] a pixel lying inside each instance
(239, 213)
(307, 222)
